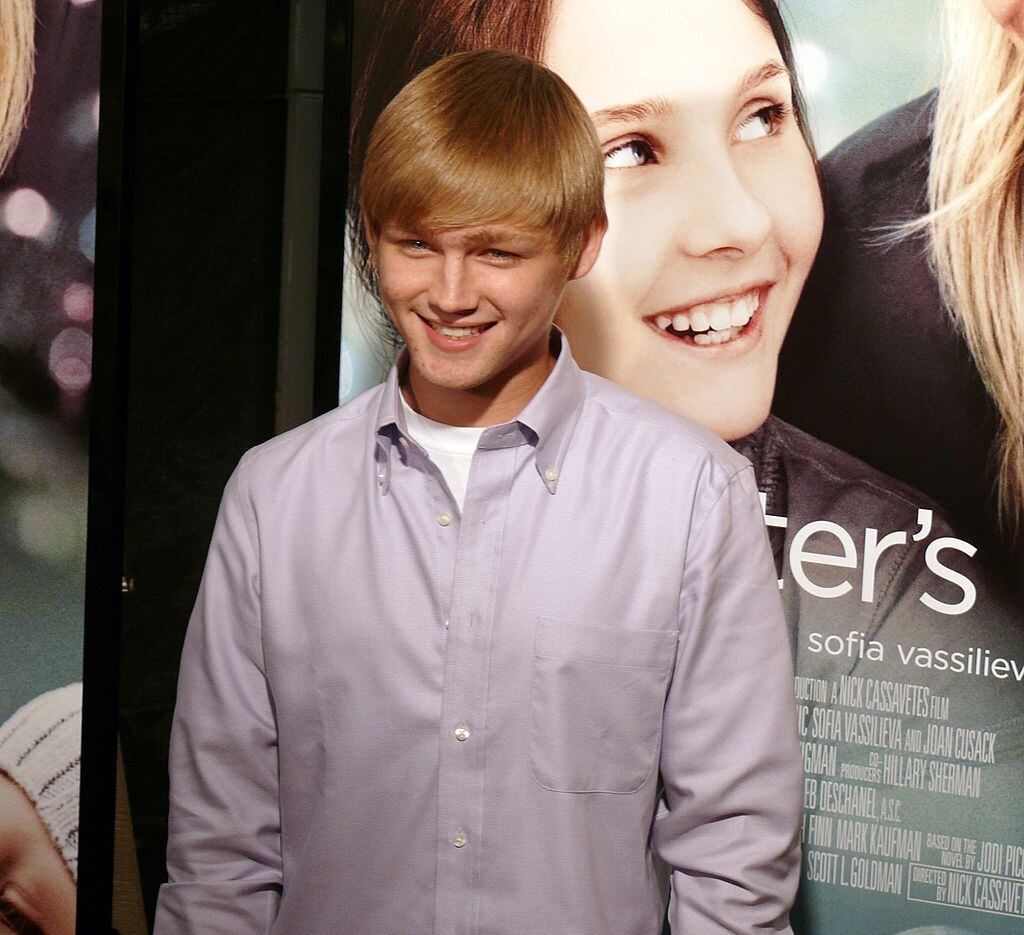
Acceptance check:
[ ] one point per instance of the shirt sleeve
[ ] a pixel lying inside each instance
(223, 852)
(730, 756)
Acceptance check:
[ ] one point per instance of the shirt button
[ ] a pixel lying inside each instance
(462, 733)
(551, 474)
(446, 624)
(403, 441)
(460, 839)
(444, 519)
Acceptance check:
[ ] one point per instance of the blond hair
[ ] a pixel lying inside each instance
(976, 220)
(486, 136)
(17, 54)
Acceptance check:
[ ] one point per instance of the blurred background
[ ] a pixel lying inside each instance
(47, 251)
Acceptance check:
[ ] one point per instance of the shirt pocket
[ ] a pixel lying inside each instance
(597, 698)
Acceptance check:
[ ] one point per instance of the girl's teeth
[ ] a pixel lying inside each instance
(713, 323)
(699, 321)
(705, 338)
(720, 317)
(741, 314)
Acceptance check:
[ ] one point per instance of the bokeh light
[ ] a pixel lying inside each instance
(812, 66)
(70, 360)
(87, 236)
(24, 447)
(26, 213)
(77, 302)
(83, 124)
(49, 527)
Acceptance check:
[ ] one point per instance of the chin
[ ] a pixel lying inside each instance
(728, 423)
(729, 415)
(733, 426)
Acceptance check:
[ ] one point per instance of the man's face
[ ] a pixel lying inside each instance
(474, 306)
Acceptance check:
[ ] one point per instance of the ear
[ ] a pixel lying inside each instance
(591, 248)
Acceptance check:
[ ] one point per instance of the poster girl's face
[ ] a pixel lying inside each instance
(37, 893)
(714, 211)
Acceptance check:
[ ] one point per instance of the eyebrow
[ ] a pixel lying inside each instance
(491, 235)
(766, 72)
(515, 238)
(662, 107)
(629, 113)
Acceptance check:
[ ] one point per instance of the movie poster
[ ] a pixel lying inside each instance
(49, 111)
(808, 326)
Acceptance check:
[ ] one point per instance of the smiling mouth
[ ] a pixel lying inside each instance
(458, 333)
(711, 323)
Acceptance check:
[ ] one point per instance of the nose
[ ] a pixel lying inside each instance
(451, 289)
(720, 213)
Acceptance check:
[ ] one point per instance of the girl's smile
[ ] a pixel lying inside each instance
(713, 202)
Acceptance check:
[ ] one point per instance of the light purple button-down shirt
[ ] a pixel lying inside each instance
(397, 718)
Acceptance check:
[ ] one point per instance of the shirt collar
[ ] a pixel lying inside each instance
(547, 422)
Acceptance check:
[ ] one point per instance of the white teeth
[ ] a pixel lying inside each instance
(455, 332)
(713, 322)
(704, 338)
(720, 317)
(741, 314)
(699, 321)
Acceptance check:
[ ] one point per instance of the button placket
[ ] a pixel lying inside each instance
(467, 651)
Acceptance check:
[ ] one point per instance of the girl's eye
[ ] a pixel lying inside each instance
(761, 123)
(628, 155)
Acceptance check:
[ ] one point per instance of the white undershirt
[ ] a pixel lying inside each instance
(450, 447)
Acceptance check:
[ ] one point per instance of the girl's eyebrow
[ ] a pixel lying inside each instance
(632, 113)
(662, 107)
(762, 73)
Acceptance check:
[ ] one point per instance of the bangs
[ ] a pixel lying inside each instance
(456, 150)
(440, 187)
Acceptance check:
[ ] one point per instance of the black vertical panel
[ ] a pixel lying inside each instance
(106, 465)
(333, 197)
(209, 172)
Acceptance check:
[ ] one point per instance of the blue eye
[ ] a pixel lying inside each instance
(629, 155)
(761, 123)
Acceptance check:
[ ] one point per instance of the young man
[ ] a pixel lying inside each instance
(471, 649)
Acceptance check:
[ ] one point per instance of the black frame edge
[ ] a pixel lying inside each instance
(107, 428)
(333, 196)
